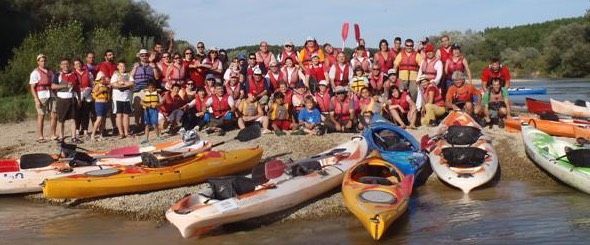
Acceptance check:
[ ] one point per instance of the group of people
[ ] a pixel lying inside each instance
(314, 90)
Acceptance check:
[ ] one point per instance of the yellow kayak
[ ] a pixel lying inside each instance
(132, 179)
(377, 193)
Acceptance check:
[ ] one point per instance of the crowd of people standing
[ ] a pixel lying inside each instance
(314, 90)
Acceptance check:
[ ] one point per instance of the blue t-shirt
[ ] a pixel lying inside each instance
(314, 116)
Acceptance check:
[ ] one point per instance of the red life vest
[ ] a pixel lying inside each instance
(395, 52)
(197, 75)
(275, 79)
(200, 104)
(266, 58)
(317, 72)
(84, 78)
(220, 106)
(170, 103)
(323, 101)
(364, 63)
(177, 74)
(401, 101)
(255, 88)
(385, 63)
(376, 83)
(213, 64)
(107, 68)
(438, 99)
(341, 77)
(365, 104)
(233, 91)
(455, 66)
(293, 78)
(289, 97)
(298, 100)
(408, 62)
(71, 78)
(44, 82)
(445, 54)
(330, 60)
(428, 68)
(293, 56)
(341, 109)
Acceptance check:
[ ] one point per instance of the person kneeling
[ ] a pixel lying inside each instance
(251, 112)
(496, 105)
(461, 96)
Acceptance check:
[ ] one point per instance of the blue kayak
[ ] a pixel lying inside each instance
(398, 147)
(526, 91)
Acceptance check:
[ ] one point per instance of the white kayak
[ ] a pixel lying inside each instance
(463, 175)
(570, 109)
(196, 214)
(545, 150)
(27, 176)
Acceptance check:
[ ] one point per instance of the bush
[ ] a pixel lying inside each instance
(16, 108)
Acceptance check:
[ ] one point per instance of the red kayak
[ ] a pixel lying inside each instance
(538, 106)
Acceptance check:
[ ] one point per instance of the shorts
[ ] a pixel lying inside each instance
(122, 107)
(174, 116)
(47, 105)
(66, 109)
(101, 108)
(496, 105)
(282, 124)
(150, 116)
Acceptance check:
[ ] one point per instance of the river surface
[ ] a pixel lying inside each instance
(509, 212)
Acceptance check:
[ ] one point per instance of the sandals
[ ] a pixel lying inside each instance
(41, 140)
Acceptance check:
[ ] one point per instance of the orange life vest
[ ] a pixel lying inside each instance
(428, 68)
(408, 62)
(323, 101)
(402, 101)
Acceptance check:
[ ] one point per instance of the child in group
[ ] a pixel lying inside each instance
(101, 96)
(279, 114)
(150, 102)
(122, 83)
(359, 80)
(310, 118)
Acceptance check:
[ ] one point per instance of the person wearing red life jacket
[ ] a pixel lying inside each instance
(397, 46)
(457, 62)
(175, 72)
(342, 113)
(107, 67)
(90, 64)
(391, 81)
(359, 60)
(310, 48)
(251, 111)
(222, 110)
(368, 105)
(213, 64)
(67, 101)
(193, 68)
(431, 66)
(340, 73)
(323, 98)
(288, 51)
(258, 86)
(247, 70)
(432, 104)
(495, 70)
(165, 61)
(298, 99)
(234, 88)
(274, 76)
(384, 57)
(284, 88)
(171, 108)
(462, 96)
(210, 82)
(234, 66)
(43, 96)
(402, 108)
(196, 115)
(407, 63)
(292, 74)
(86, 110)
(314, 73)
(444, 52)
(378, 80)
(366, 53)
(330, 56)
(264, 56)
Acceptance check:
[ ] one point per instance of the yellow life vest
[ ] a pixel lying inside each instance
(150, 99)
(357, 84)
(249, 109)
(100, 92)
(279, 112)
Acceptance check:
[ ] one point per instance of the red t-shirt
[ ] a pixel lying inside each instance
(487, 74)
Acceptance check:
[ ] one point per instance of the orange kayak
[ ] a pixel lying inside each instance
(561, 129)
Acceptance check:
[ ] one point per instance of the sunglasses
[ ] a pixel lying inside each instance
(288, 46)
(409, 46)
(252, 58)
(189, 84)
(187, 53)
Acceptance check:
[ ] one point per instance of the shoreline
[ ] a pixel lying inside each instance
(151, 206)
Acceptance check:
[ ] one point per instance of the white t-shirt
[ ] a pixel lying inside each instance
(34, 79)
(119, 95)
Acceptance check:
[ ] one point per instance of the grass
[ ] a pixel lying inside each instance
(16, 108)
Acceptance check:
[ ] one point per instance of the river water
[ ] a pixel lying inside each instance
(509, 212)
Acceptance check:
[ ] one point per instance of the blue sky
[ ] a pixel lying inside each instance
(226, 24)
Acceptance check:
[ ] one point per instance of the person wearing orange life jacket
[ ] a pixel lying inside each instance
(384, 57)
(314, 73)
(292, 74)
(457, 62)
(402, 108)
(279, 114)
(40, 87)
(461, 96)
(397, 46)
(432, 104)
(323, 98)
(330, 56)
(251, 111)
(264, 56)
(86, 110)
(495, 70)
(342, 113)
(288, 51)
(361, 61)
(222, 108)
(274, 76)
(67, 101)
(310, 48)
(408, 63)
(171, 108)
(340, 73)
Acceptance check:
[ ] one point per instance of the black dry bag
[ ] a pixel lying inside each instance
(464, 156)
(462, 135)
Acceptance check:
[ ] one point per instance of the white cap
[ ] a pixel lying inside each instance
(257, 71)
(213, 49)
(143, 51)
(340, 89)
(309, 38)
(41, 56)
(391, 72)
(288, 43)
(323, 82)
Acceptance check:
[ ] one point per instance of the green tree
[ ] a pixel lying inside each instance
(567, 51)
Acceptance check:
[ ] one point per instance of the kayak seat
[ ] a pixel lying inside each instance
(391, 141)
(305, 168)
(371, 174)
(373, 180)
(462, 135)
(230, 186)
(35, 160)
(464, 156)
(579, 157)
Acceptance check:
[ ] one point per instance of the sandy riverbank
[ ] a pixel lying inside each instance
(151, 206)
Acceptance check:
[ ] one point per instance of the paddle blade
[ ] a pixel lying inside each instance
(249, 133)
(124, 151)
(35, 160)
(345, 27)
(357, 32)
(274, 169)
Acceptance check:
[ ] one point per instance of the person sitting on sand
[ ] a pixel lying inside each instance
(462, 96)
(197, 116)
(402, 108)
(309, 118)
(67, 103)
(432, 104)
(250, 111)
(377, 80)
(367, 104)
(280, 114)
(222, 107)
(495, 70)
(171, 109)
(342, 116)
(150, 101)
(40, 83)
(298, 99)
(495, 103)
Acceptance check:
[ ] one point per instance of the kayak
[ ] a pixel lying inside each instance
(465, 165)
(562, 128)
(377, 193)
(546, 151)
(133, 179)
(569, 108)
(538, 106)
(25, 175)
(526, 91)
(198, 213)
(397, 146)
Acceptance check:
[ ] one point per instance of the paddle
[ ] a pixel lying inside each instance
(357, 33)
(150, 160)
(276, 168)
(344, 34)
